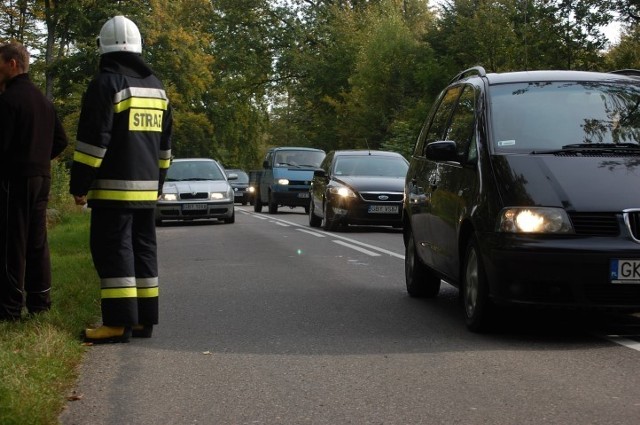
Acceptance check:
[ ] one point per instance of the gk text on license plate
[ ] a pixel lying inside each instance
(625, 271)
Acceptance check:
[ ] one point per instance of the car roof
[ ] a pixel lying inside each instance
(297, 148)
(192, 159)
(364, 152)
(533, 76)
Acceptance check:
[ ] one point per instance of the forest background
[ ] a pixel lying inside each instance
(244, 75)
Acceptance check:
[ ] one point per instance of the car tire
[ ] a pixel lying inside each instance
(231, 219)
(273, 205)
(478, 307)
(421, 281)
(329, 221)
(257, 203)
(314, 220)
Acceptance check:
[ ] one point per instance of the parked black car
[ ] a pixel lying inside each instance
(523, 189)
(240, 185)
(358, 187)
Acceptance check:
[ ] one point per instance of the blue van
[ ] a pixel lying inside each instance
(286, 178)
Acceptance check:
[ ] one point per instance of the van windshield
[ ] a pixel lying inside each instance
(298, 158)
(545, 116)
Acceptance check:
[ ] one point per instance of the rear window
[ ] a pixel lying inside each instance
(530, 117)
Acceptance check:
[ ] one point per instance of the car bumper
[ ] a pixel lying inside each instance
(204, 210)
(559, 272)
(292, 197)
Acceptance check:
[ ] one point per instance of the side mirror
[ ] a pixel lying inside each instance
(265, 164)
(319, 172)
(445, 150)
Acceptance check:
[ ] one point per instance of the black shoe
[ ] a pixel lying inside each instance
(107, 334)
(142, 331)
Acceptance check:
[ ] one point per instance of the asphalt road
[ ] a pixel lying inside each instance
(267, 321)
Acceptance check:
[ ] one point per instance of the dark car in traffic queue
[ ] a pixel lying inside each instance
(196, 188)
(358, 187)
(523, 190)
(240, 184)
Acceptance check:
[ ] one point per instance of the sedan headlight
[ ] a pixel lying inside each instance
(534, 220)
(218, 196)
(342, 191)
(251, 189)
(168, 197)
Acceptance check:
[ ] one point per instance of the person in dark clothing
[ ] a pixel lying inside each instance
(122, 154)
(30, 136)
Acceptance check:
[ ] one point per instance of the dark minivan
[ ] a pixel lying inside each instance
(524, 188)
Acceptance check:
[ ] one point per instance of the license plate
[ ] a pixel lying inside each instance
(383, 209)
(303, 195)
(625, 271)
(194, 207)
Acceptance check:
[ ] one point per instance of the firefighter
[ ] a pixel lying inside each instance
(121, 158)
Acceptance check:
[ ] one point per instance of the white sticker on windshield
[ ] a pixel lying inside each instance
(502, 143)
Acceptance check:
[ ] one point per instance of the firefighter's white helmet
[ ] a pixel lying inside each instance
(119, 34)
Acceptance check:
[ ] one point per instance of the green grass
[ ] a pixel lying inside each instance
(39, 356)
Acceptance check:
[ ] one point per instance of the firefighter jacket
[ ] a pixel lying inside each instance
(123, 146)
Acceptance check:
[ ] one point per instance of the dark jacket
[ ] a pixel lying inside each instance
(123, 147)
(30, 132)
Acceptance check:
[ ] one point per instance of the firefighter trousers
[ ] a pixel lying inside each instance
(25, 264)
(124, 252)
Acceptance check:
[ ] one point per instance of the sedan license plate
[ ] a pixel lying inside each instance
(383, 209)
(194, 207)
(625, 271)
(303, 195)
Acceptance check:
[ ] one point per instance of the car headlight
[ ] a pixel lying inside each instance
(534, 220)
(218, 196)
(168, 197)
(342, 191)
(283, 182)
(251, 189)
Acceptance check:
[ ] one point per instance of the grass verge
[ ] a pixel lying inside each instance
(39, 356)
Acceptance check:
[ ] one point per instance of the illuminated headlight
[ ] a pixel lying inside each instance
(283, 182)
(534, 220)
(342, 191)
(218, 196)
(168, 197)
(251, 189)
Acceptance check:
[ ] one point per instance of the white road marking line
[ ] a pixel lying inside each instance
(280, 224)
(333, 235)
(357, 248)
(629, 343)
(316, 234)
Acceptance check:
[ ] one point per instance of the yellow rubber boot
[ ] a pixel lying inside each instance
(107, 334)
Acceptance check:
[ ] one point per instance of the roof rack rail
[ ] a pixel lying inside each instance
(630, 72)
(477, 70)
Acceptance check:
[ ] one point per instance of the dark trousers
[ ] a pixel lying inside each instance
(25, 264)
(124, 251)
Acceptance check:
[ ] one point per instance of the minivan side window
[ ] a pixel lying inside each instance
(461, 129)
(440, 120)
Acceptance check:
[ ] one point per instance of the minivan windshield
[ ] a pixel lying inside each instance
(547, 116)
(298, 158)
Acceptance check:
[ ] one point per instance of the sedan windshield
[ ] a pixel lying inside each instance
(364, 165)
(194, 171)
(535, 117)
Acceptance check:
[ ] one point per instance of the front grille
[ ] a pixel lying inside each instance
(595, 224)
(198, 195)
(632, 218)
(374, 196)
